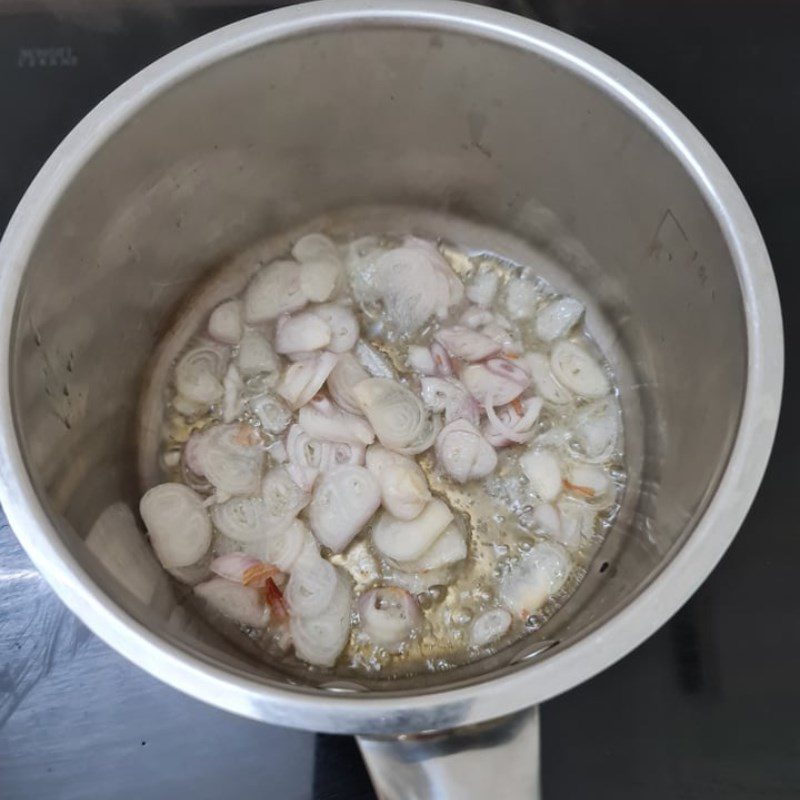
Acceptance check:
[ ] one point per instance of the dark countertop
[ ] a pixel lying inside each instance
(707, 709)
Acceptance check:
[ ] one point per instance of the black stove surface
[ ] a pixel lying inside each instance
(706, 709)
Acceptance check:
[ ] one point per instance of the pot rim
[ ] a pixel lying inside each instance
(406, 712)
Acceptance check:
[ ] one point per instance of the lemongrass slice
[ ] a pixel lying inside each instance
(546, 386)
(389, 615)
(225, 323)
(230, 457)
(543, 470)
(397, 415)
(407, 540)
(303, 379)
(449, 548)
(274, 290)
(242, 604)
(558, 318)
(467, 344)
(177, 522)
(319, 639)
(574, 368)
(256, 354)
(404, 489)
(199, 373)
(313, 247)
(538, 575)
(489, 627)
(302, 332)
(345, 498)
(321, 419)
(463, 453)
(343, 325)
(521, 299)
(345, 375)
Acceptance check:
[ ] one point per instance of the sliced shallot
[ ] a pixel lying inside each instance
(588, 482)
(232, 403)
(272, 413)
(578, 371)
(311, 585)
(244, 519)
(283, 498)
(557, 318)
(489, 627)
(420, 360)
(467, 344)
(343, 326)
(345, 375)
(256, 354)
(463, 453)
(512, 424)
(483, 287)
(236, 566)
(404, 489)
(403, 540)
(449, 548)
(303, 332)
(225, 323)
(303, 379)
(521, 298)
(199, 373)
(596, 430)
(230, 457)
(543, 381)
(178, 524)
(543, 470)
(497, 380)
(321, 419)
(389, 615)
(319, 278)
(539, 574)
(345, 498)
(314, 246)
(274, 290)
(450, 396)
(242, 604)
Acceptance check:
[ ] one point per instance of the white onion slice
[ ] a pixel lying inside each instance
(321, 638)
(420, 360)
(230, 457)
(283, 498)
(483, 287)
(225, 323)
(489, 627)
(302, 332)
(314, 246)
(538, 575)
(177, 522)
(578, 371)
(321, 419)
(543, 470)
(242, 604)
(389, 615)
(272, 413)
(508, 426)
(244, 519)
(303, 379)
(404, 489)
(199, 372)
(557, 318)
(319, 278)
(463, 453)
(256, 354)
(467, 344)
(543, 381)
(449, 548)
(232, 403)
(343, 326)
(274, 290)
(397, 415)
(521, 298)
(497, 381)
(344, 376)
(403, 540)
(345, 498)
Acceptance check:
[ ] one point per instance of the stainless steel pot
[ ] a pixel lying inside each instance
(456, 120)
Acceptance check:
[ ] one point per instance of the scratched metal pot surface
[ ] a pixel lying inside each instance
(78, 721)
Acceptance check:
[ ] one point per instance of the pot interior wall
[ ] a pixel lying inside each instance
(465, 128)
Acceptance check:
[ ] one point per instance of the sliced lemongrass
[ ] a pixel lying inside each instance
(314, 246)
(199, 373)
(489, 627)
(558, 318)
(274, 290)
(303, 332)
(483, 287)
(256, 354)
(389, 615)
(177, 522)
(231, 458)
(449, 548)
(463, 452)
(345, 498)
(543, 381)
(303, 379)
(319, 278)
(404, 489)
(242, 604)
(232, 403)
(521, 298)
(321, 419)
(467, 344)
(345, 375)
(407, 540)
(537, 576)
(574, 368)
(225, 323)
(244, 519)
(398, 417)
(271, 412)
(543, 470)
(420, 360)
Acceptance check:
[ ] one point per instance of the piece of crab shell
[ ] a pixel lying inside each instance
(466, 344)
(301, 333)
(229, 456)
(449, 548)
(463, 452)
(199, 373)
(512, 424)
(407, 540)
(574, 368)
(389, 615)
(345, 375)
(255, 354)
(558, 318)
(303, 379)
(534, 578)
(497, 381)
(242, 604)
(177, 522)
(483, 287)
(321, 419)
(490, 626)
(420, 360)
(450, 396)
(274, 290)
(344, 500)
(546, 386)
(343, 326)
(521, 298)
(404, 489)
(543, 470)
(225, 323)
(400, 420)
